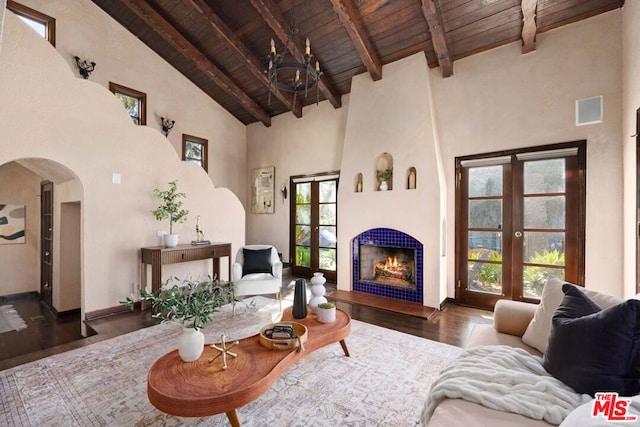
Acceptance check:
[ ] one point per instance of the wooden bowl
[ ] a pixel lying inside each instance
(299, 332)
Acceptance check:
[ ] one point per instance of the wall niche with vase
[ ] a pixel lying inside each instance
(384, 172)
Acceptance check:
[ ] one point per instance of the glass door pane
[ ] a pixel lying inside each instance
(544, 232)
(328, 235)
(303, 225)
(484, 230)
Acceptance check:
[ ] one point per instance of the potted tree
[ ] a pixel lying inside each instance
(190, 303)
(171, 208)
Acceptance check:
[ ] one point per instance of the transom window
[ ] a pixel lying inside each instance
(194, 150)
(43, 24)
(133, 100)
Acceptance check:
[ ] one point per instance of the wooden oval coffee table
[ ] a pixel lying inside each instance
(200, 388)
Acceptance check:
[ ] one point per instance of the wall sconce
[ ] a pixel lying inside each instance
(167, 125)
(283, 190)
(85, 68)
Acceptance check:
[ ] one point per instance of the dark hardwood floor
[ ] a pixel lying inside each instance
(47, 335)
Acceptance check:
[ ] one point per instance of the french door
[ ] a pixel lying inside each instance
(314, 214)
(520, 219)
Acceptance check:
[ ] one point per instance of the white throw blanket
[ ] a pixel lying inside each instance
(506, 379)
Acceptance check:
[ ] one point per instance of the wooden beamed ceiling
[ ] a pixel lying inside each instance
(222, 46)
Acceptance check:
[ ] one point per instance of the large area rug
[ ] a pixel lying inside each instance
(383, 383)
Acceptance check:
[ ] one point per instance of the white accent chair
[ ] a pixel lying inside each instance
(258, 273)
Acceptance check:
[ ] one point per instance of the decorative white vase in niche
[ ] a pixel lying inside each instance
(190, 344)
(317, 290)
(384, 186)
(170, 240)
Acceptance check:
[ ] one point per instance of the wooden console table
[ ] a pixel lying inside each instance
(157, 256)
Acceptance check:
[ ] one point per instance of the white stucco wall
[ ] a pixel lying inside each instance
(630, 104)
(312, 144)
(3, 5)
(391, 116)
(48, 112)
(19, 267)
(85, 30)
(499, 99)
(502, 99)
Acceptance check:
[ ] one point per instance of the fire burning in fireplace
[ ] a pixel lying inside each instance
(388, 265)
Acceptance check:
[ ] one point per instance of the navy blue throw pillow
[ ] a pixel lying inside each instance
(256, 261)
(593, 350)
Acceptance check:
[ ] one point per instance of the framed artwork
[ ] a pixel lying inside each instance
(12, 224)
(262, 190)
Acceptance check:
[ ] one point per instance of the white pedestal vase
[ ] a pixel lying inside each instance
(190, 344)
(383, 186)
(317, 290)
(170, 240)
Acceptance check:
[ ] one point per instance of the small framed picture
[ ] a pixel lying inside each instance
(262, 190)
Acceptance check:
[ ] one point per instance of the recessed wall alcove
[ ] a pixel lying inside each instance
(357, 183)
(384, 164)
(411, 178)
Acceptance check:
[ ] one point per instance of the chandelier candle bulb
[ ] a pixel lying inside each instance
(297, 76)
(317, 66)
(273, 46)
(307, 49)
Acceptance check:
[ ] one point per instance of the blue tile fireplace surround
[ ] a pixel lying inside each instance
(388, 240)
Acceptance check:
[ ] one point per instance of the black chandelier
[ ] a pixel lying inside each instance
(290, 75)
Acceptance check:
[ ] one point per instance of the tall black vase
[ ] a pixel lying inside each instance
(299, 310)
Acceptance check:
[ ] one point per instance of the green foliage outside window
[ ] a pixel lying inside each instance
(488, 276)
(132, 105)
(303, 256)
(533, 277)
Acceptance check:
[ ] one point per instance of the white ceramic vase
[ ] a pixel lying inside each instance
(326, 315)
(384, 186)
(190, 344)
(170, 240)
(317, 290)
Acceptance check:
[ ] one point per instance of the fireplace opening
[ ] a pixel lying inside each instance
(388, 265)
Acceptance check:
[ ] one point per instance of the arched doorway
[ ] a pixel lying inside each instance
(49, 256)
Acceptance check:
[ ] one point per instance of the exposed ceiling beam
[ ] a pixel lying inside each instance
(529, 25)
(272, 16)
(172, 36)
(252, 62)
(434, 21)
(352, 22)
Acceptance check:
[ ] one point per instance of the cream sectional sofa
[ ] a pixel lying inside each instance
(516, 324)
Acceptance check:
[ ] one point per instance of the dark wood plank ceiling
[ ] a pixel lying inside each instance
(222, 45)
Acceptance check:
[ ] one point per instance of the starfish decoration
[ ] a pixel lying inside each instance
(224, 350)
